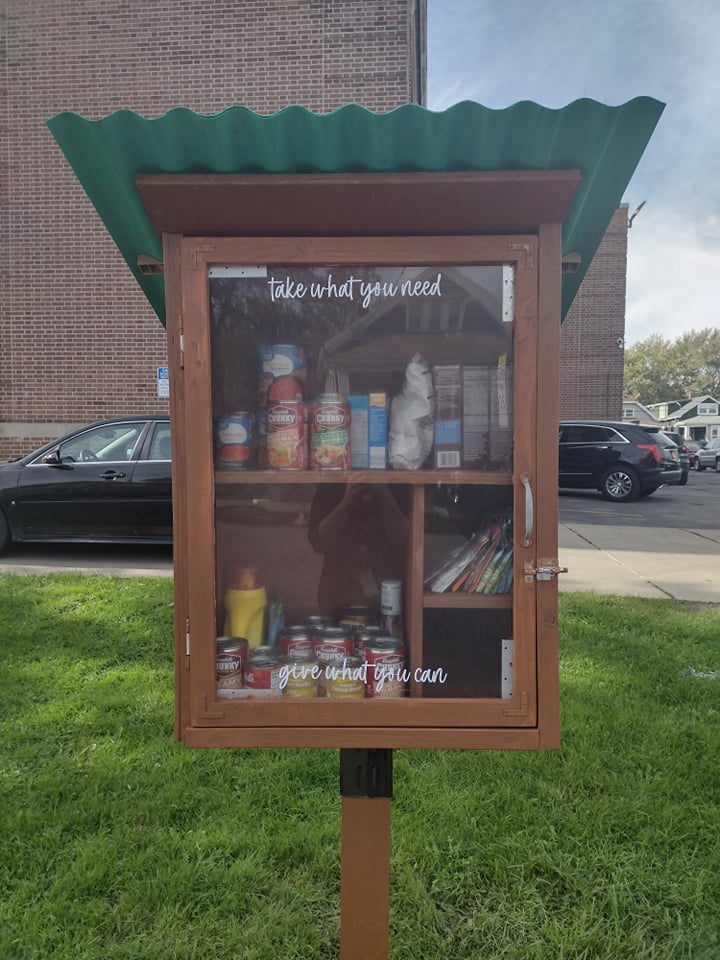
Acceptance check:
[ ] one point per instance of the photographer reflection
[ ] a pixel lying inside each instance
(361, 530)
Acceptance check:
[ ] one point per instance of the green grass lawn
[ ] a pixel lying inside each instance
(118, 844)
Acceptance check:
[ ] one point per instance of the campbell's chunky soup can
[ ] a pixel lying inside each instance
(262, 671)
(385, 658)
(295, 639)
(333, 643)
(285, 443)
(330, 433)
(234, 439)
(232, 653)
(363, 635)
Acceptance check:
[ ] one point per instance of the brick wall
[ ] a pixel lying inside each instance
(592, 340)
(79, 341)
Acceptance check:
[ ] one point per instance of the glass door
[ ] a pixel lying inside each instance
(362, 422)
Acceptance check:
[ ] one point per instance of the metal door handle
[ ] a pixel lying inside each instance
(111, 475)
(529, 511)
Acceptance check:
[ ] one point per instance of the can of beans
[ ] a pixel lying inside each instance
(300, 675)
(330, 433)
(346, 678)
(234, 439)
(262, 671)
(232, 652)
(385, 658)
(295, 639)
(285, 441)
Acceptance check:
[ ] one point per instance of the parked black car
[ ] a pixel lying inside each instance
(684, 451)
(107, 482)
(618, 459)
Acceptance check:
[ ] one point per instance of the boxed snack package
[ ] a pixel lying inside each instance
(501, 434)
(359, 427)
(369, 425)
(476, 416)
(377, 430)
(448, 415)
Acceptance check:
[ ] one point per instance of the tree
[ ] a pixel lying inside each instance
(657, 369)
(699, 353)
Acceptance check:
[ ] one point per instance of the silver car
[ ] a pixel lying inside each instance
(707, 456)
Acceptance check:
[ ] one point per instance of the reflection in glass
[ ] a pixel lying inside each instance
(327, 382)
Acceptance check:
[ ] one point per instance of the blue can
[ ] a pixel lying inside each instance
(234, 440)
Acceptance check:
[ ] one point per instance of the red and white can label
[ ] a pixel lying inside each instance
(328, 651)
(232, 652)
(385, 679)
(263, 679)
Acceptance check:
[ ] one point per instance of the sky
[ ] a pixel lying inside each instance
(556, 51)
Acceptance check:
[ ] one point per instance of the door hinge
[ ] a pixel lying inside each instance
(545, 570)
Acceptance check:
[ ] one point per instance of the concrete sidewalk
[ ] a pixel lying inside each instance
(640, 562)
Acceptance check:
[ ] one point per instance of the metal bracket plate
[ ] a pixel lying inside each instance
(365, 773)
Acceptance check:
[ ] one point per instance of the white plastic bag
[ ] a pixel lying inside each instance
(410, 436)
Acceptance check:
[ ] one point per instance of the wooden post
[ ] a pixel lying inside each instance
(366, 786)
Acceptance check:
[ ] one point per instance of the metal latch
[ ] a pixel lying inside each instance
(545, 570)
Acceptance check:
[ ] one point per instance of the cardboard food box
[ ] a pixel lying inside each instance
(378, 430)
(369, 426)
(448, 416)
(476, 416)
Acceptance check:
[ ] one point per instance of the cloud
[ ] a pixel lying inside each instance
(673, 266)
(556, 51)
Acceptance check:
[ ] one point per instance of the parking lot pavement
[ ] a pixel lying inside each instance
(664, 546)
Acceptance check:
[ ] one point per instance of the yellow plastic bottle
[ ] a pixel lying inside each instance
(245, 606)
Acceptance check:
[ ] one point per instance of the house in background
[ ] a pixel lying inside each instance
(635, 412)
(696, 419)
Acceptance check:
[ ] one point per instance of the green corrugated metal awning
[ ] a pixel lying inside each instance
(604, 142)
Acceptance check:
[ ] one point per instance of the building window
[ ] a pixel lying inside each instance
(707, 410)
(628, 413)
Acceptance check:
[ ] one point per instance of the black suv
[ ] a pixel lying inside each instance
(684, 453)
(619, 459)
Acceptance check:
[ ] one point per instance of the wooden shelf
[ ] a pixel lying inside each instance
(408, 477)
(467, 601)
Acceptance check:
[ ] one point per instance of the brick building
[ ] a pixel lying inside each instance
(592, 344)
(79, 340)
